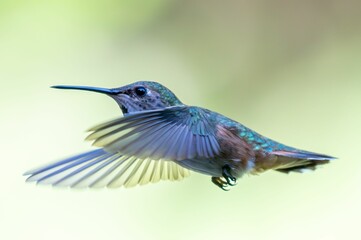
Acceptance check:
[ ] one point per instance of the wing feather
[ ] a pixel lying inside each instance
(100, 168)
(174, 133)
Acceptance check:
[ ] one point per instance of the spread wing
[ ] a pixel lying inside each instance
(174, 133)
(99, 168)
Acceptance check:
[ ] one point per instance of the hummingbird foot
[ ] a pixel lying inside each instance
(226, 173)
(219, 182)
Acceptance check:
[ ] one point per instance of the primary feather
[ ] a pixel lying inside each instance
(99, 168)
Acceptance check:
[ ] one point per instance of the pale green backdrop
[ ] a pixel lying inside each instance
(291, 70)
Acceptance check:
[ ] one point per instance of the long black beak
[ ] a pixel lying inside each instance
(110, 91)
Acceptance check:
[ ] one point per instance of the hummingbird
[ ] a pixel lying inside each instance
(160, 138)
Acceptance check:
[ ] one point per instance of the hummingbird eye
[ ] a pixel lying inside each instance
(140, 91)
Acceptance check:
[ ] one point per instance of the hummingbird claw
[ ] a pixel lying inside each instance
(226, 188)
(226, 173)
(219, 182)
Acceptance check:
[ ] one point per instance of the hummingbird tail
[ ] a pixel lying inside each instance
(99, 168)
(300, 161)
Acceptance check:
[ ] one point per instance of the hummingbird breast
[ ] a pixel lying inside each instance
(235, 152)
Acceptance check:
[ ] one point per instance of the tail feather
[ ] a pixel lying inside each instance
(303, 155)
(300, 161)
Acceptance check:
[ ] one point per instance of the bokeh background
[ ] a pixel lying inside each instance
(291, 70)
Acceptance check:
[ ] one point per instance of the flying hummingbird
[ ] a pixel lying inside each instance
(159, 137)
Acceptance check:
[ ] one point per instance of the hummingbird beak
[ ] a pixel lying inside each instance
(112, 92)
(109, 91)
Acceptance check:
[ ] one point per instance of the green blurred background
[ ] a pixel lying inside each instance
(291, 70)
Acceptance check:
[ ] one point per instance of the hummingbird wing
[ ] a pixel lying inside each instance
(99, 168)
(174, 133)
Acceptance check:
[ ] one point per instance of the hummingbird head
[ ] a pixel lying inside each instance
(135, 97)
